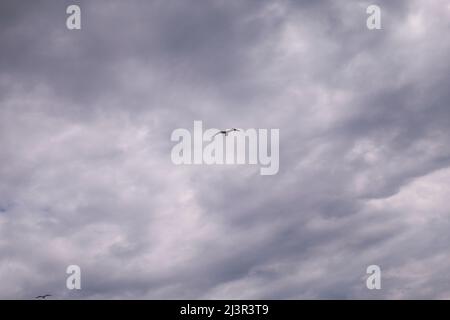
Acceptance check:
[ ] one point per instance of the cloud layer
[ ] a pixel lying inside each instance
(86, 175)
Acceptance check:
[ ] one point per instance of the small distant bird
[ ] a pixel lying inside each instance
(226, 132)
(43, 297)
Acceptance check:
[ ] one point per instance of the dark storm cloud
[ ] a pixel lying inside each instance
(85, 123)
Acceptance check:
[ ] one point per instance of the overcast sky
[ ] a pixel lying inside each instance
(86, 176)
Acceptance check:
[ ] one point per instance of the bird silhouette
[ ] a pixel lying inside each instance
(226, 132)
(43, 297)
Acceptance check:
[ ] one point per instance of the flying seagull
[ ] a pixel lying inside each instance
(43, 297)
(226, 132)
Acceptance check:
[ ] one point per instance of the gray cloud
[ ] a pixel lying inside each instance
(86, 175)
